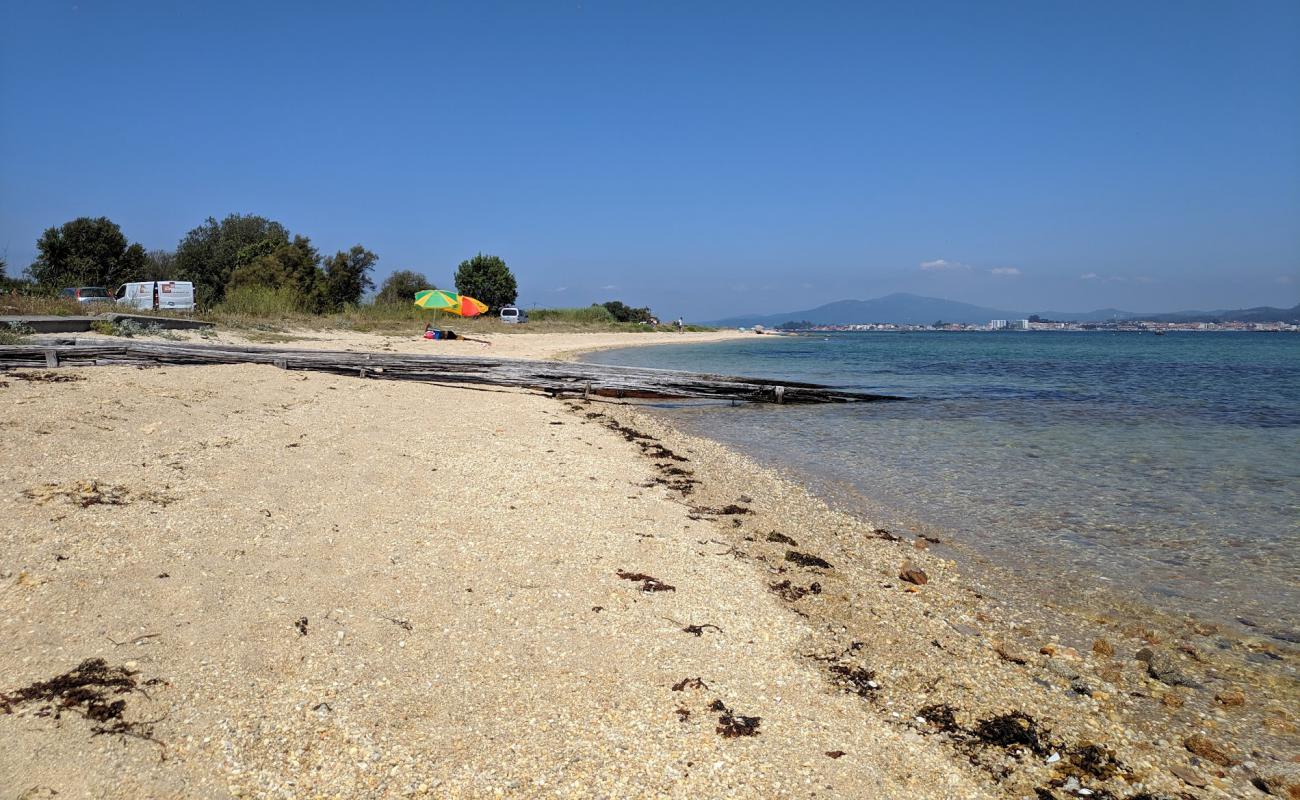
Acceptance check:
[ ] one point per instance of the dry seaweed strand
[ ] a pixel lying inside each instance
(95, 691)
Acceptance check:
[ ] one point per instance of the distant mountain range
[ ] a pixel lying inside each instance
(911, 309)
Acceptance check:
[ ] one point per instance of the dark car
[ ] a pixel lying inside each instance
(87, 294)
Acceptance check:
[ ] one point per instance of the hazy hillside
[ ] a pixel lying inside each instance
(911, 309)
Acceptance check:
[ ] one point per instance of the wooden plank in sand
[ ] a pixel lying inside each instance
(555, 377)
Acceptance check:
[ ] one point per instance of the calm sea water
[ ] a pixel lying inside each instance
(1117, 467)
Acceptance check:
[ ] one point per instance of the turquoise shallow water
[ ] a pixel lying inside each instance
(1113, 466)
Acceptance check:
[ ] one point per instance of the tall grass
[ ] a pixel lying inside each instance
(260, 301)
(591, 315)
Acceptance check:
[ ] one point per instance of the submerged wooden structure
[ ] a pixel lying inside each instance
(554, 377)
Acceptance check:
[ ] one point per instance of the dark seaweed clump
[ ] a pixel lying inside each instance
(789, 591)
(781, 538)
(648, 582)
(731, 724)
(941, 716)
(858, 680)
(1095, 760)
(806, 560)
(94, 690)
(1016, 729)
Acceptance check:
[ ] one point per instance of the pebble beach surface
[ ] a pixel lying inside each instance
(306, 585)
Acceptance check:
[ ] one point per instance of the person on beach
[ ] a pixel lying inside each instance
(681, 326)
(431, 332)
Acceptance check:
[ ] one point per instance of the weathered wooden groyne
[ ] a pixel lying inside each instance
(554, 377)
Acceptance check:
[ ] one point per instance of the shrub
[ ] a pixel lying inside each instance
(14, 333)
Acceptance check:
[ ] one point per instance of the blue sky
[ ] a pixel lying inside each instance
(701, 158)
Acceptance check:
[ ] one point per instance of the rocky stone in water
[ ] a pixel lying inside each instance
(1188, 776)
(1280, 781)
(1063, 668)
(1009, 652)
(914, 575)
(1231, 698)
(1209, 750)
(1163, 667)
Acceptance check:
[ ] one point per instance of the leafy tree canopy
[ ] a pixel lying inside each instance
(86, 252)
(291, 265)
(401, 286)
(347, 277)
(210, 253)
(625, 313)
(488, 279)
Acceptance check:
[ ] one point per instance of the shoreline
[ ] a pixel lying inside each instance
(563, 520)
(533, 346)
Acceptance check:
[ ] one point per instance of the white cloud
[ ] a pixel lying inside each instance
(1089, 276)
(1285, 280)
(561, 288)
(609, 288)
(943, 265)
(1004, 272)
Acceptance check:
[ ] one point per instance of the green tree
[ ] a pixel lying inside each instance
(625, 313)
(86, 252)
(211, 252)
(401, 286)
(291, 265)
(159, 266)
(487, 278)
(347, 277)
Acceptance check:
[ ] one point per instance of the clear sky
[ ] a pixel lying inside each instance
(702, 158)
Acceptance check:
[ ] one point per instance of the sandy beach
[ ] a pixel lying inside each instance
(304, 585)
(554, 346)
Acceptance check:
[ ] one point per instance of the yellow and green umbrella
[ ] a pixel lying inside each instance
(458, 304)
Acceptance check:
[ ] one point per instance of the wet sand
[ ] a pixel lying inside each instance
(337, 587)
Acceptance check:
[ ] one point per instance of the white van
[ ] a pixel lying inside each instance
(514, 315)
(157, 295)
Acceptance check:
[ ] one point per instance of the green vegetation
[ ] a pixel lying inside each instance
(625, 313)
(591, 315)
(11, 333)
(253, 274)
(86, 252)
(487, 278)
(401, 286)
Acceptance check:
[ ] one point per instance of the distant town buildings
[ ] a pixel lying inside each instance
(1037, 324)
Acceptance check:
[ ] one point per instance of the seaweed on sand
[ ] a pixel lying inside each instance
(731, 724)
(781, 538)
(789, 591)
(1016, 729)
(649, 583)
(941, 716)
(858, 680)
(47, 377)
(807, 560)
(689, 683)
(94, 690)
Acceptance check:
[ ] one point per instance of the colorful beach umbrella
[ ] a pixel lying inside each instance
(442, 300)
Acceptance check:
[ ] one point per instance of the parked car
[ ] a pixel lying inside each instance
(514, 315)
(157, 295)
(87, 294)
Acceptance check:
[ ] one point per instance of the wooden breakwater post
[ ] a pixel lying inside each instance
(553, 377)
